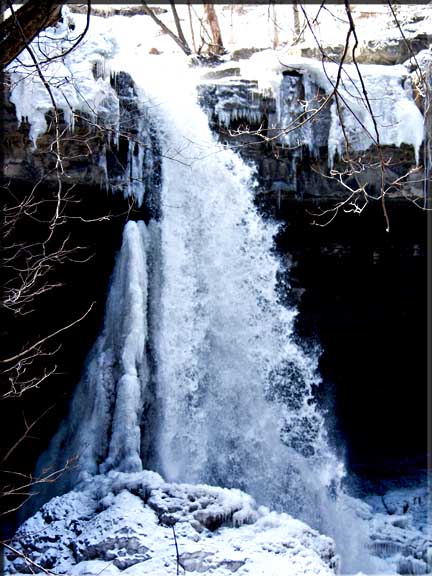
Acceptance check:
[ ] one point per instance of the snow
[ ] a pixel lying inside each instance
(81, 83)
(125, 523)
(220, 335)
(398, 119)
(73, 85)
(254, 25)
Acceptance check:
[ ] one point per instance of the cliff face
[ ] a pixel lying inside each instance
(299, 152)
(337, 270)
(361, 293)
(295, 148)
(92, 155)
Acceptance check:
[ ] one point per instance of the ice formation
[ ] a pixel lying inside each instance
(133, 523)
(105, 432)
(228, 380)
(300, 87)
(196, 373)
(80, 82)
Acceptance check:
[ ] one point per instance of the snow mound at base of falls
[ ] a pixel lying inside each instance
(134, 523)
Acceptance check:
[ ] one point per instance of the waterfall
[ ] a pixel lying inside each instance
(196, 373)
(103, 430)
(233, 391)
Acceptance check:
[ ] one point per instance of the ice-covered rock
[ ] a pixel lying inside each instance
(137, 524)
(303, 111)
(400, 530)
(232, 100)
(277, 92)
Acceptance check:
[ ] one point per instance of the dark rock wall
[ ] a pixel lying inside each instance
(362, 296)
(361, 292)
(296, 165)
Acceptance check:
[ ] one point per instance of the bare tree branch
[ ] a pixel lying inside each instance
(183, 44)
(45, 339)
(33, 16)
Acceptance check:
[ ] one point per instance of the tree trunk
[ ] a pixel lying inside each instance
(275, 28)
(217, 44)
(191, 27)
(182, 43)
(177, 23)
(296, 22)
(31, 18)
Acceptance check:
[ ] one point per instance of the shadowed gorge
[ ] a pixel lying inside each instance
(226, 362)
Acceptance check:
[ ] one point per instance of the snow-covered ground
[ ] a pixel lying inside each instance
(261, 26)
(133, 524)
(137, 524)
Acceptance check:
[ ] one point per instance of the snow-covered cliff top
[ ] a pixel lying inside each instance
(261, 26)
(80, 81)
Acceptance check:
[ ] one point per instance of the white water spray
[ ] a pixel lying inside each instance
(195, 333)
(206, 342)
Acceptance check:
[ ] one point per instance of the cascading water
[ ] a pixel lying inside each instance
(196, 373)
(195, 335)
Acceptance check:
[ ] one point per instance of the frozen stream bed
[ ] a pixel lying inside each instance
(131, 523)
(134, 524)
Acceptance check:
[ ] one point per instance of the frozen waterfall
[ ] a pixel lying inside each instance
(231, 391)
(196, 373)
(103, 430)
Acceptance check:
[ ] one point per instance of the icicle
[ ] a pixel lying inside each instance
(335, 138)
(104, 181)
(102, 431)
